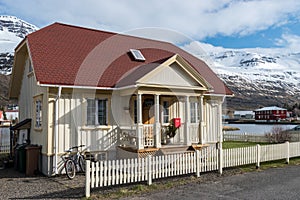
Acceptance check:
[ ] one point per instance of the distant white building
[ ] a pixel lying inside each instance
(243, 114)
(12, 114)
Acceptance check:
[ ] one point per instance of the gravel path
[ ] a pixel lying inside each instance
(15, 185)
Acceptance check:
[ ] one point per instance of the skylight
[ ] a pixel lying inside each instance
(137, 54)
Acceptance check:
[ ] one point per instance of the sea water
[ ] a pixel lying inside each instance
(258, 129)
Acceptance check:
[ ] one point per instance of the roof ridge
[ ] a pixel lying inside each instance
(110, 32)
(81, 27)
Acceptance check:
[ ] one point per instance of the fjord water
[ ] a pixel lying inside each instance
(259, 129)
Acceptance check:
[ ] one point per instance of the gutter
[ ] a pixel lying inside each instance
(56, 128)
(87, 87)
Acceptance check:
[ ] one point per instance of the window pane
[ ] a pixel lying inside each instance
(193, 112)
(38, 115)
(166, 112)
(102, 110)
(91, 109)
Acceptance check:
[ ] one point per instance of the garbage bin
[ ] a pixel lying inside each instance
(21, 158)
(32, 159)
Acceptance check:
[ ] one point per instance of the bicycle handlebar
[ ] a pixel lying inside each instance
(70, 149)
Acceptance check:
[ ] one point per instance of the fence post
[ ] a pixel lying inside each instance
(87, 178)
(198, 163)
(149, 167)
(220, 158)
(287, 152)
(258, 156)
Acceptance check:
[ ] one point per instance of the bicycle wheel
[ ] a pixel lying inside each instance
(70, 169)
(81, 162)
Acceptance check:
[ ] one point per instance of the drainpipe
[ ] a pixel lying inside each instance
(56, 129)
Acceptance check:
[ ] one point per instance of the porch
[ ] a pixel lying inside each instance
(152, 116)
(129, 136)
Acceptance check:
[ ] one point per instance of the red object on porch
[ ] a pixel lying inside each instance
(177, 122)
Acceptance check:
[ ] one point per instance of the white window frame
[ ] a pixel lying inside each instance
(194, 111)
(163, 114)
(38, 112)
(95, 113)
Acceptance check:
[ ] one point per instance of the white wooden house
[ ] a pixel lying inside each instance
(112, 93)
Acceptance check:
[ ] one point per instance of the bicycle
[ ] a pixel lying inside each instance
(72, 162)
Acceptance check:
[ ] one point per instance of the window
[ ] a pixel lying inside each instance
(30, 69)
(195, 112)
(38, 113)
(96, 112)
(137, 54)
(166, 116)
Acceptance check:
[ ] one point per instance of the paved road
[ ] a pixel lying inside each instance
(276, 183)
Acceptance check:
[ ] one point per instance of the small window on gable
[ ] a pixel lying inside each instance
(137, 54)
(29, 67)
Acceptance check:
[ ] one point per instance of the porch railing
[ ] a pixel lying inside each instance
(129, 137)
(148, 135)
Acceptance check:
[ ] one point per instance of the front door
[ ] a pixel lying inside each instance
(148, 110)
(148, 120)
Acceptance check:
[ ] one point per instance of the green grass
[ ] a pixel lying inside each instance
(237, 144)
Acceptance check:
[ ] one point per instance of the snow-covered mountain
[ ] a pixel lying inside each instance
(258, 77)
(12, 31)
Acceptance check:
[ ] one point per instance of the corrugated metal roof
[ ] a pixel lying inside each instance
(270, 108)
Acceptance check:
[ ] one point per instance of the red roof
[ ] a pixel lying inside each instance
(69, 55)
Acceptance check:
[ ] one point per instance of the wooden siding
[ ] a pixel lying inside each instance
(212, 121)
(30, 90)
(72, 128)
(171, 75)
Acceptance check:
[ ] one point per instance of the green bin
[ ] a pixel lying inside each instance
(22, 158)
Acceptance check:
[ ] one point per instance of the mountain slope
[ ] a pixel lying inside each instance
(12, 31)
(258, 77)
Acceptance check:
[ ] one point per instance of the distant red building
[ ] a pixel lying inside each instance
(272, 113)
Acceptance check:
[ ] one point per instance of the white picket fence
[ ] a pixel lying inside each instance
(116, 172)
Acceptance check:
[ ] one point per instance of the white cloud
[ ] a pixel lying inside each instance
(290, 42)
(197, 19)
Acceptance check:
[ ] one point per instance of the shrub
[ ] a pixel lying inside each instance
(278, 135)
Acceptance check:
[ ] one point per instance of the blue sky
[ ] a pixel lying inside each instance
(226, 23)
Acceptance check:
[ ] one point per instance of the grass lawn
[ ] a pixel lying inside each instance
(237, 144)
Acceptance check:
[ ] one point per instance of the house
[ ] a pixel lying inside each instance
(272, 113)
(243, 114)
(116, 94)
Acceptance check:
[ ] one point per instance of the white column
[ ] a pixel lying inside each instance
(201, 122)
(157, 132)
(139, 108)
(187, 121)
(139, 128)
(220, 132)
